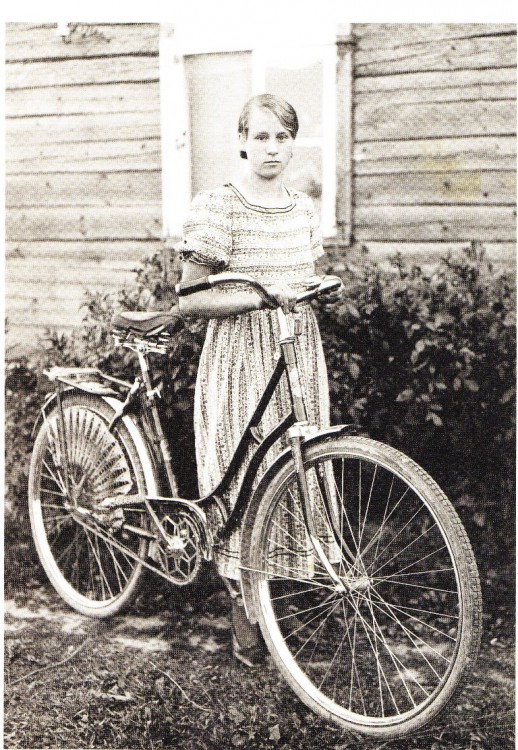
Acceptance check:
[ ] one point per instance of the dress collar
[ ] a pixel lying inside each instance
(264, 209)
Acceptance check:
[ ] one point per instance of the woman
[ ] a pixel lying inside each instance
(259, 227)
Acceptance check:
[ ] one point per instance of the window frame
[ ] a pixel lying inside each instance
(176, 42)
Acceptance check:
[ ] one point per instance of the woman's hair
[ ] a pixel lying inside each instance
(279, 107)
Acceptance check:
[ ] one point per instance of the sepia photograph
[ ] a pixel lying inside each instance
(259, 370)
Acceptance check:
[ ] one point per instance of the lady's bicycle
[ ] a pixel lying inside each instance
(353, 561)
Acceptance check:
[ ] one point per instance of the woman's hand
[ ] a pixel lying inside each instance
(283, 295)
(330, 298)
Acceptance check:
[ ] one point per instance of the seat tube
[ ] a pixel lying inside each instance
(162, 440)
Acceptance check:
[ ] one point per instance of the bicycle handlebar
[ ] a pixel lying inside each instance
(184, 288)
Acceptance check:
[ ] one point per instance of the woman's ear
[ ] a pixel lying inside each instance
(242, 142)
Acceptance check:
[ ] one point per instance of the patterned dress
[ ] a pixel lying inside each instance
(273, 245)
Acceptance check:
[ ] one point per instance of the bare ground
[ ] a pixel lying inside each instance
(162, 677)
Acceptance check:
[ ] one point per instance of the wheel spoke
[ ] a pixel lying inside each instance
(380, 648)
(353, 661)
(401, 530)
(368, 505)
(395, 607)
(94, 573)
(410, 544)
(411, 635)
(279, 576)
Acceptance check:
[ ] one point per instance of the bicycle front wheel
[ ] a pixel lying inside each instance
(89, 564)
(382, 651)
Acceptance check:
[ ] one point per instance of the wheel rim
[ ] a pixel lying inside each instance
(381, 651)
(81, 555)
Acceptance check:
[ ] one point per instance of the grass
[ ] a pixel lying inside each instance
(162, 676)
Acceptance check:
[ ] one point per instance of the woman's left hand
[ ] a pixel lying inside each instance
(331, 298)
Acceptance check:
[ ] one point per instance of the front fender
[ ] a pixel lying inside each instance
(280, 462)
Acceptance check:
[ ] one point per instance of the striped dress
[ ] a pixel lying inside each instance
(274, 245)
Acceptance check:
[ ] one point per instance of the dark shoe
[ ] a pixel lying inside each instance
(252, 656)
(247, 643)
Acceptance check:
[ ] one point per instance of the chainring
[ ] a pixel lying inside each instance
(181, 554)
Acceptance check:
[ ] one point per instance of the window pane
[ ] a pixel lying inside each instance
(218, 85)
(301, 85)
(305, 172)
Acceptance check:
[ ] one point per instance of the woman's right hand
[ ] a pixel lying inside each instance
(283, 295)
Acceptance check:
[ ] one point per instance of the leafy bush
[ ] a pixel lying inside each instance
(423, 360)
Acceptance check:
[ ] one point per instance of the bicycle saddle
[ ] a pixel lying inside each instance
(144, 322)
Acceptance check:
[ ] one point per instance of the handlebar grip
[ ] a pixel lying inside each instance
(328, 284)
(185, 288)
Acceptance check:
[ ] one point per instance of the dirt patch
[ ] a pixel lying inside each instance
(162, 677)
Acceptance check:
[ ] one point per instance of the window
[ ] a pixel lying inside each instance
(204, 99)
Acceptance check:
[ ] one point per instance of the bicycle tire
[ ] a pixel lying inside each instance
(387, 656)
(91, 574)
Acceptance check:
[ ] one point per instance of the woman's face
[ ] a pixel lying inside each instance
(269, 145)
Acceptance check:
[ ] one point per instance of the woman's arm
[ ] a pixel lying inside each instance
(213, 303)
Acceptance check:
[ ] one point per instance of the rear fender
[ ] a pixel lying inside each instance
(330, 433)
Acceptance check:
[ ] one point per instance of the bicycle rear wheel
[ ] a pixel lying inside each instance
(88, 562)
(383, 652)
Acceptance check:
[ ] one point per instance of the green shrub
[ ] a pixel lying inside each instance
(423, 360)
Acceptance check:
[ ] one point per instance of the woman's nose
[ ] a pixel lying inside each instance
(271, 147)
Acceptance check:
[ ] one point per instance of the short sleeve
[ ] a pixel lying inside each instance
(207, 231)
(317, 249)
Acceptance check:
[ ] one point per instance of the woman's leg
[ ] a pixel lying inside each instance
(247, 644)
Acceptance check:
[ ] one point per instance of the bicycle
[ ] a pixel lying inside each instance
(353, 561)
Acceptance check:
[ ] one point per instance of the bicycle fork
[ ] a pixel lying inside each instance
(296, 435)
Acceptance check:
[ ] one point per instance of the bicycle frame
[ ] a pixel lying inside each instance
(295, 425)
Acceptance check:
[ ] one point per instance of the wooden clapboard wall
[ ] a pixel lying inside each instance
(433, 160)
(83, 185)
(435, 137)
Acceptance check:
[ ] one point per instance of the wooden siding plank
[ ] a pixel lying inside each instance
(66, 100)
(431, 223)
(375, 36)
(499, 253)
(49, 271)
(20, 75)
(91, 252)
(435, 155)
(87, 127)
(101, 222)
(84, 189)
(43, 312)
(105, 156)
(459, 85)
(26, 41)
(482, 188)
(65, 283)
(384, 121)
(22, 340)
(440, 54)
